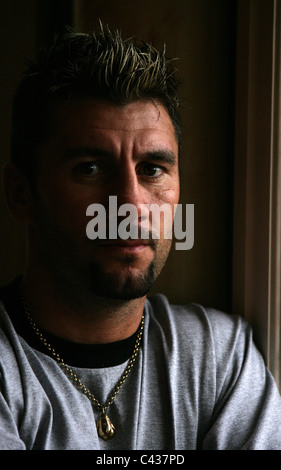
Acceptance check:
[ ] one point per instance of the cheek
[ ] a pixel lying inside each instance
(161, 212)
(63, 198)
(167, 195)
(61, 214)
(170, 195)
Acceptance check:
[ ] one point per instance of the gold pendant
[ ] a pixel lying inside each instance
(105, 427)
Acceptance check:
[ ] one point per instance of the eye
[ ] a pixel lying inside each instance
(88, 168)
(151, 170)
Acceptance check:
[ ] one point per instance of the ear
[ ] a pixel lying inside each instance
(17, 193)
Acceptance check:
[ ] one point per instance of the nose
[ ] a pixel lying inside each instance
(127, 187)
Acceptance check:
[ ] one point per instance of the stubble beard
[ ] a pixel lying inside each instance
(88, 282)
(122, 286)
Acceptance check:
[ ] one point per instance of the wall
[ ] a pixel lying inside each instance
(24, 27)
(18, 22)
(200, 33)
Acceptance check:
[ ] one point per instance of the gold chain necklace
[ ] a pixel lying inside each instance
(105, 428)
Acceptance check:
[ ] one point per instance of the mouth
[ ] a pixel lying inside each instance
(126, 246)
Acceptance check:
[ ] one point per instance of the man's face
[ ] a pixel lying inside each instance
(97, 150)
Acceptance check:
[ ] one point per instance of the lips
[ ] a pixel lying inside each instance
(125, 242)
(126, 246)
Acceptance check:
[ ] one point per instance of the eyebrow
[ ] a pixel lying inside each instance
(159, 155)
(162, 155)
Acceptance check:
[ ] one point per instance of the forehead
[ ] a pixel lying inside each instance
(99, 120)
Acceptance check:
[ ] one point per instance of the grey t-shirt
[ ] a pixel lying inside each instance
(198, 383)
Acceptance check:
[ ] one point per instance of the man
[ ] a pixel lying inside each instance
(86, 360)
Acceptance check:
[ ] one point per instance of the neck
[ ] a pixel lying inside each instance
(93, 321)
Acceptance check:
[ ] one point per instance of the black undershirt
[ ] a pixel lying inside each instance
(73, 354)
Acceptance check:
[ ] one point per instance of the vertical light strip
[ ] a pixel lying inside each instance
(274, 279)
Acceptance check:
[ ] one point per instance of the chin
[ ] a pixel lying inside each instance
(126, 287)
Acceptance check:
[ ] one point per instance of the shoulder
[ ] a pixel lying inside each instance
(196, 318)
(9, 340)
(201, 331)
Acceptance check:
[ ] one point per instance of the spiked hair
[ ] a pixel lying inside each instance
(76, 65)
